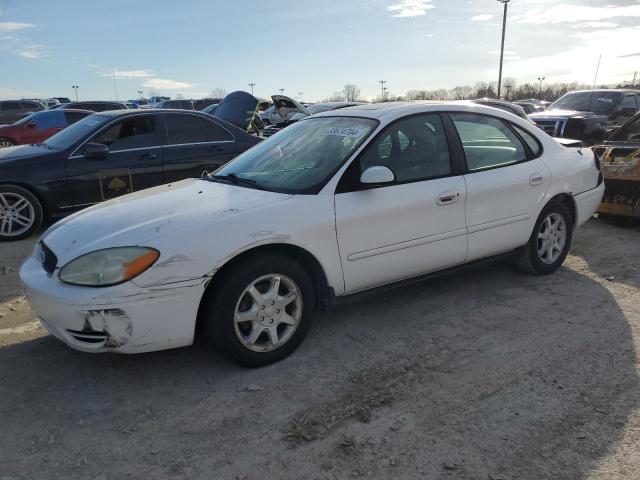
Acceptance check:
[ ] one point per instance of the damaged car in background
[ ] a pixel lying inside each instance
(303, 112)
(109, 154)
(588, 115)
(620, 158)
(336, 204)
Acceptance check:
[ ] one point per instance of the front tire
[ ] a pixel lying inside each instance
(7, 142)
(259, 312)
(549, 243)
(20, 213)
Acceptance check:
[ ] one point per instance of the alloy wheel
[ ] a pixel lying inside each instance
(552, 237)
(268, 313)
(16, 214)
(6, 143)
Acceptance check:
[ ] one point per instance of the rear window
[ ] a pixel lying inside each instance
(531, 142)
(4, 106)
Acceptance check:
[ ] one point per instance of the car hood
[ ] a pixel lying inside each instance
(139, 217)
(561, 114)
(23, 151)
(283, 101)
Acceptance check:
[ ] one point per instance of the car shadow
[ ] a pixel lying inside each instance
(611, 249)
(485, 374)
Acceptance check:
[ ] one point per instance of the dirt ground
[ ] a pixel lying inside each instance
(486, 374)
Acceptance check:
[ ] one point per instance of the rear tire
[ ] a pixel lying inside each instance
(260, 311)
(549, 243)
(20, 213)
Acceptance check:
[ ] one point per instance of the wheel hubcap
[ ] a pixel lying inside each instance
(268, 313)
(5, 143)
(16, 214)
(552, 237)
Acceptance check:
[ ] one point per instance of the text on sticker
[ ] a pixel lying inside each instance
(344, 132)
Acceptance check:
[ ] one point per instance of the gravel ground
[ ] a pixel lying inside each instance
(485, 374)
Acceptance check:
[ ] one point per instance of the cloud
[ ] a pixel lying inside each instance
(508, 54)
(595, 25)
(14, 26)
(576, 14)
(637, 54)
(126, 74)
(410, 8)
(31, 54)
(166, 84)
(481, 18)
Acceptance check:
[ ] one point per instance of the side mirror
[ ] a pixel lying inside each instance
(95, 150)
(31, 124)
(377, 175)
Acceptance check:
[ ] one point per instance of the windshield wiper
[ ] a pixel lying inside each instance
(233, 178)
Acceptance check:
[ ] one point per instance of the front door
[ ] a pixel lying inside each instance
(134, 161)
(506, 183)
(194, 144)
(415, 225)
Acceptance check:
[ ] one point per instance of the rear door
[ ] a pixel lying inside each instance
(194, 144)
(415, 225)
(134, 161)
(505, 179)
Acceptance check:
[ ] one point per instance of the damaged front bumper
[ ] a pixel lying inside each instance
(125, 318)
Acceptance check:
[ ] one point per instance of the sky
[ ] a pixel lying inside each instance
(190, 47)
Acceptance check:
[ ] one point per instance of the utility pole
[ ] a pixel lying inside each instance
(281, 90)
(541, 79)
(251, 85)
(300, 97)
(75, 89)
(382, 82)
(634, 79)
(140, 92)
(504, 27)
(115, 86)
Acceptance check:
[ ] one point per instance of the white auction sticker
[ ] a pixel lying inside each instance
(344, 132)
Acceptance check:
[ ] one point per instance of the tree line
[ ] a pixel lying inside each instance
(511, 91)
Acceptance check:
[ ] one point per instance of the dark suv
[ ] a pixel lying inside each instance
(588, 115)
(12, 110)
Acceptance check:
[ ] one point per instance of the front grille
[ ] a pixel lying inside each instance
(49, 259)
(88, 336)
(552, 126)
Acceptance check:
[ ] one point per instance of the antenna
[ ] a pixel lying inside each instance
(595, 79)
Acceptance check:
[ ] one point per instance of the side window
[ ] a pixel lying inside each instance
(414, 148)
(73, 117)
(183, 129)
(629, 101)
(487, 142)
(531, 142)
(134, 132)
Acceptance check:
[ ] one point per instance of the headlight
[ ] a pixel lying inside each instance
(111, 266)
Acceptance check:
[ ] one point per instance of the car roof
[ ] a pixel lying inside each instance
(389, 111)
(616, 90)
(134, 111)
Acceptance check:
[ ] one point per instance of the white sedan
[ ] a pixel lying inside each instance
(339, 203)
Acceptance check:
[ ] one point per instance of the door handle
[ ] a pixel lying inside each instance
(536, 179)
(448, 197)
(147, 156)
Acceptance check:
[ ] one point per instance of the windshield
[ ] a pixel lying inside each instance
(599, 101)
(302, 157)
(26, 119)
(70, 135)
